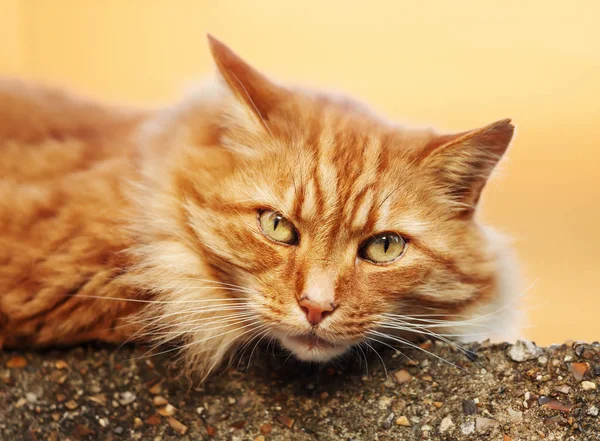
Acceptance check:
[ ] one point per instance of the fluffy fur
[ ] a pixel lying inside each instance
(119, 225)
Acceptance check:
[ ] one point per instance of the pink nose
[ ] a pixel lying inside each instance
(315, 311)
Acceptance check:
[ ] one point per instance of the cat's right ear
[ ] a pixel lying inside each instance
(256, 92)
(463, 162)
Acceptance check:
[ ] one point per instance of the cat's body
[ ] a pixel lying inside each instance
(64, 163)
(250, 211)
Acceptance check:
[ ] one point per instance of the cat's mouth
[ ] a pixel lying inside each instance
(312, 347)
(313, 341)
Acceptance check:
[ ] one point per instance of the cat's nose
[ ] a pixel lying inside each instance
(315, 311)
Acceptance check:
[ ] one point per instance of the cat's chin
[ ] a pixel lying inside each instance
(311, 348)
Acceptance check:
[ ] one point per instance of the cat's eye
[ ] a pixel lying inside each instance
(277, 227)
(383, 248)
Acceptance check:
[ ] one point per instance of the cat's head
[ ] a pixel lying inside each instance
(275, 212)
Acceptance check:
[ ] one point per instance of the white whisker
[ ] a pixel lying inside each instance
(263, 335)
(203, 327)
(216, 282)
(197, 311)
(202, 340)
(158, 302)
(163, 337)
(441, 337)
(391, 347)
(412, 345)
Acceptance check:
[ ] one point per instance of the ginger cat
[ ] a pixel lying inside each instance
(251, 211)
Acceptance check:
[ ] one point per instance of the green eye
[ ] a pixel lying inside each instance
(277, 227)
(383, 248)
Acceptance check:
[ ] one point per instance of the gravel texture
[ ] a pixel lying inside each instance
(93, 393)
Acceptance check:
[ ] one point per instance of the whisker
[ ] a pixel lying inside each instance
(363, 356)
(469, 319)
(368, 345)
(434, 324)
(391, 347)
(158, 302)
(164, 339)
(441, 337)
(426, 315)
(241, 351)
(406, 342)
(200, 287)
(216, 282)
(256, 335)
(202, 340)
(191, 311)
(218, 308)
(270, 343)
(264, 334)
(422, 329)
(412, 319)
(163, 323)
(195, 329)
(156, 325)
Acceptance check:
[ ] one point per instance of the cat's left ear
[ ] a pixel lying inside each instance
(258, 94)
(462, 163)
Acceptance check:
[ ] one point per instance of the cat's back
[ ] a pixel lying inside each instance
(46, 132)
(64, 166)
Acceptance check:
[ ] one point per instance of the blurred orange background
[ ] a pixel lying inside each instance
(452, 65)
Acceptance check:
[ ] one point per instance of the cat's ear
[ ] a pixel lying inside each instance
(462, 163)
(258, 94)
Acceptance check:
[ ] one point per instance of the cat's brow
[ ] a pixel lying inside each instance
(309, 206)
(361, 208)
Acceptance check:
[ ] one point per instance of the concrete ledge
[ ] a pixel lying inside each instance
(92, 393)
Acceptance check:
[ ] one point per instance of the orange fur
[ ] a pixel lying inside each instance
(103, 210)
